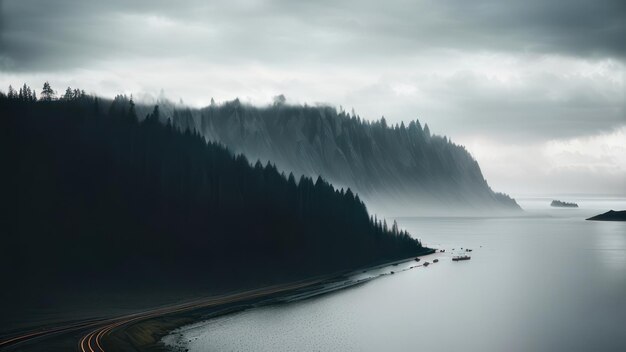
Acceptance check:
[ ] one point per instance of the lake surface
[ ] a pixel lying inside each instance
(547, 282)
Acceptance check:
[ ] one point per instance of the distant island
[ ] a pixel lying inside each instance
(560, 204)
(610, 215)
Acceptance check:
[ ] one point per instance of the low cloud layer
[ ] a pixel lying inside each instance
(61, 34)
(518, 73)
(591, 164)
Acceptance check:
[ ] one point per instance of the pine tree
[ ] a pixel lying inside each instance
(131, 109)
(47, 93)
(27, 93)
(11, 94)
(69, 94)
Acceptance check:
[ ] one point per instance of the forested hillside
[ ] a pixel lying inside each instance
(91, 193)
(402, 169)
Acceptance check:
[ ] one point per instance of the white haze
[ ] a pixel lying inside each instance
(535, 90)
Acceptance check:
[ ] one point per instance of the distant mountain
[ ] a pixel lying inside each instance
(400, 169)
(610, 215)
(561, 204)
(90, 195)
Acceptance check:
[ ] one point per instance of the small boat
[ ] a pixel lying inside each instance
(435, 260)
(417, 259)
(468, 250)
(461, 257)
(392, 273)
(426, 263)
(442, 251)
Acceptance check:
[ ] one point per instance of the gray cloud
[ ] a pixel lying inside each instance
(504, 77)
(49, 35)
(539, 104)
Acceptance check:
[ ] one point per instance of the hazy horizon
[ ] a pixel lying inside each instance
(534, 90)
(336, 175)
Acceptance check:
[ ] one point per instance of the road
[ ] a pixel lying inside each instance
(96, 330)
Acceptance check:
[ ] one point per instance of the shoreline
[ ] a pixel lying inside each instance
(147, 335)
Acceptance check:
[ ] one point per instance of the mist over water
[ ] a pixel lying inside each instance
(170, 161)
(550, 281)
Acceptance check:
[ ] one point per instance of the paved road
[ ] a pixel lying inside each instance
(96, 330)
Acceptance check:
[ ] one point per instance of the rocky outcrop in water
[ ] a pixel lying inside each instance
(560, 204)
(610, 215)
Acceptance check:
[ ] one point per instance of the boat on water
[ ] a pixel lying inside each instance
(461, 257)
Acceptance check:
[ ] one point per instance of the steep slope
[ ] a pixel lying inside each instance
(404, 170)
(94, 199)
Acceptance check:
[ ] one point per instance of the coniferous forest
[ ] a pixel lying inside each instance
(92, 192)
(395, 168)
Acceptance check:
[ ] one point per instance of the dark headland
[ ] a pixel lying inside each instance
(610, 215)
(110, 212)
(396, 168)
(561, 204)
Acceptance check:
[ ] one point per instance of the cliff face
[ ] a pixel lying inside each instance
(398, 169)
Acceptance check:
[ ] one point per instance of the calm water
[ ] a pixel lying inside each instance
(550, 282)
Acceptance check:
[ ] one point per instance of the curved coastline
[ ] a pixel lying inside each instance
(147, 335)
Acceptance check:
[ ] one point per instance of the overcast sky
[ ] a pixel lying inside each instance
(535, 89)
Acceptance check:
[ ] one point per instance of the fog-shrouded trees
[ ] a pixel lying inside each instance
(11, 94)
(90, 192)
(405, 164)
(73, 94)
(69, 94)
